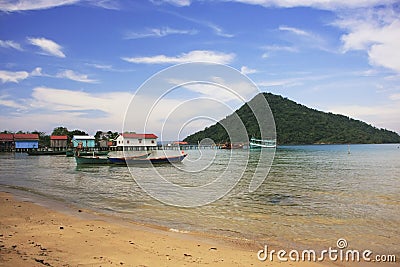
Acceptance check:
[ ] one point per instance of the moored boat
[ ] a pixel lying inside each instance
(258, 143)
(71, 153)
(45, 152)
(96, 160)
(91, 160)
(130, 161)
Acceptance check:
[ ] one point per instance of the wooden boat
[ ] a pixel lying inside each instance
(91, 160)
(45, 152)
(143, 161)
(71, 153)
(258, 143)
(232, 146)
(96, 160)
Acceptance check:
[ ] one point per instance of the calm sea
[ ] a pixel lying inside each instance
(312, 196)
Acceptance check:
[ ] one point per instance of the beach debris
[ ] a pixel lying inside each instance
(187, 255)
(61, 227)
(213, 248)
(42, 262)
(79, 210)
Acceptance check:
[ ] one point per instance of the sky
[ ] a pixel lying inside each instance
(80, 63)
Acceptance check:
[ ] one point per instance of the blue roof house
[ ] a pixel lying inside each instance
(26, 141)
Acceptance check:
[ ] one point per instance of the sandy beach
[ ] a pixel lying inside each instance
(34, 235)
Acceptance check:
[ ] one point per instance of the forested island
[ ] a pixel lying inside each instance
(298, 124)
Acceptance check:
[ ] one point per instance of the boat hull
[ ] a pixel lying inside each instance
(71, 153)
(133, 161)
(45, 153)
(91, 160)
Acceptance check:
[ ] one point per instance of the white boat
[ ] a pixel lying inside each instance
(258, 143)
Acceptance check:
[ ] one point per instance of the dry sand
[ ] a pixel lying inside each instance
(34, 235)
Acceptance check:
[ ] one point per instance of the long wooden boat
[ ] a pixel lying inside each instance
(129, 161)
(71, 153)
(45, 152)
(91, 160)
(96, 160)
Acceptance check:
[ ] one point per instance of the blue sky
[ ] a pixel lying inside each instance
(78, 63)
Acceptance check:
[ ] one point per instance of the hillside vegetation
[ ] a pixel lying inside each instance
(298, 124)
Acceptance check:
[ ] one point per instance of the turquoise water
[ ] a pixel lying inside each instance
(312, 196)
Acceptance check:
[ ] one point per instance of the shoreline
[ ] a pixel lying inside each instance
(33, 233)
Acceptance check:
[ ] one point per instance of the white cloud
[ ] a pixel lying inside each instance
(319, 4)
(48, 107)
(100, 66)
(48, 46)
(395, 96)
(246, 70)
(180, 3)
(8, 102)
(193, 56)
(294, 30)
(238, 89)
(375, 31)
(10, 44)
(157, 32)
(106, 4)
(21, 5)
(70, 74)
(17, 76)
(215, 28)
(63, 99)
(10, 76)
(303, 39)
(219, 31)
(280, 48)
(37, 72)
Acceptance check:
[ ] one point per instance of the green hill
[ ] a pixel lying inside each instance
(298, 124)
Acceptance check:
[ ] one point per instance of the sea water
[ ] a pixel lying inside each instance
(312, 196)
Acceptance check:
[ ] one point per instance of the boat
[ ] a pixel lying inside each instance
(231, 146)
(91, 160)
(71, 153)
(259, 143)
(96, 160)
(129, 161)
(45, 152)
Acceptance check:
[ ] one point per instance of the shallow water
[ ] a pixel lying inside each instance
(312, 196)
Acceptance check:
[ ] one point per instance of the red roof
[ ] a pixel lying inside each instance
(139, 136)
(6, 137)
(26, 136)
(58, 137)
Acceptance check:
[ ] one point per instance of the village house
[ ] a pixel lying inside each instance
(133, 141)
(105, 143)
(58, 141)
(6, 142)
(86, 141)
(25, 142)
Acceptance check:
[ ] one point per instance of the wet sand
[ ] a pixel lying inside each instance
(34, 235)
